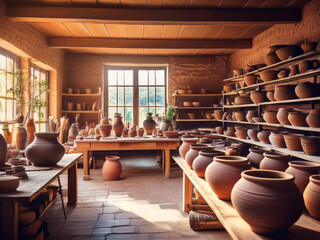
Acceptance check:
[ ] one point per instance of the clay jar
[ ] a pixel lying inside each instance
(194, 152)
(45, 150)
(306, 90)
(255, 156)
(31, 129)
(313, 119)
(218, 114)
(201, 162)
(125, 132)
(307, 65)
(277, 140)
(312, 196)
(112, 168)
(140, 132)
(241, 132)
(258, 96)
(275, 161)
(282, 115)
(21, 138)
(269, 75)
(230, 132)
(298, 119)
(252, 133)
(264, 136)
(105, 128)
(292, 141)
(270, 95)
(302, 170)
(149, 124)
(240, 116)
(293, 70)
(185, 146)
(8, 184)
(268, 201)
(284, 92)
(310, 145)
(270, 116)
(250, 79)
(133, 131)
(250, 114)
(118, 124)
(219, 130)
(224, 172)
(73, 132)
(243, 98)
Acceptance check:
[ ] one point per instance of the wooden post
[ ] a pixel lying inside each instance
(167, 163)
(72, 185)
(187, 193)
(86, 175)
(162, 160)
(9, 220)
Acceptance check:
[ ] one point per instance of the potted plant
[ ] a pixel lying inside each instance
(166, 119)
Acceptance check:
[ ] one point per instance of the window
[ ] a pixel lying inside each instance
(134, 92)
(9, 63)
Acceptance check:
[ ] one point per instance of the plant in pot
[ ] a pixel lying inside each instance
(166, 119)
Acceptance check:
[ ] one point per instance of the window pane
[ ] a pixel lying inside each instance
(111, 112)
(143, 77)
(10, 65)
(152, 109)
(10, 110)
(121, 110)
(129, 96)
(160, 110)
(160, 96)
(3, 62)
(2, 83)
(9, 83)
(112, 95)
(129, 114)
(120, 96)
(2, 109)
(128, 77)
(120, 77)
(143, 96)
(112, 77)
(160, 77)
(152, 96)
(142, 115)
(152, 77)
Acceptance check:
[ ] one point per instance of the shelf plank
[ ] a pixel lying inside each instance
(196, 120)
(310, 129)
(195, 108)
(84, 111)
(240, 122)
(241, 105)
(291, 101)
(197, 95)
(82, 94)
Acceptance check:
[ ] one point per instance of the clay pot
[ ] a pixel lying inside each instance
(275, 161)
(219, 130)
(112, 168)
(243, 98)
(73, 132)
(190, 115)
(187, 104)
(277, 140)
(7, 134)
(118, 125)
(307, 65)
(252, 133)
(8, 184)
(105, 129)
(270, 95)
(238, 72)
(241, 132)
(149, 124)
(250, 114)
(31, 129)
(308, 46)
(196, 104)
(298, 119)
(271, 58)
(201, 162)
(250, 79)
(231, 151)
(282, 115)
(293, 142)
(269, 75)
(230, 132)
(203, 90)
(133, 131)
(264, 136)
(310, 145)
(3, 150)
(45, 150)
(140, 132)
(250, 68)
(185, 146)
(125, 132)
(88, 90)
(194, 152)
(104, 121)
(289, 51)
(268, 201)
(258, 96)
(229, 87)
(69, 90)
(255, 156)
(284, 92)
(302, 170)
(306, 90)
(311, 196)
(243, 148)
(270, 116)
(218, 114)
(208, 114)
(283, 73)
(70, 106)
(293, 70)
(224, 172)
(313, 119)
(79, 106)
(240, 116)
(26, 218)
(21, 138)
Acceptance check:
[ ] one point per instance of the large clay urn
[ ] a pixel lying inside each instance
(306, 90)
(112, 168)
(224, 172)
(255, 156)
(275, 161)
(302, 170)
(194, 152)
(45, 150)
(21, 137)
(149, 124)
(185, 146)
(3, 150)
(202, 161)
(31, 129)
(284, 92)
(105, 127)
(298, 119)
(268, 201)
(73, 132)
(283, 114)
(118, 124)
(311, 196)
(313, 119)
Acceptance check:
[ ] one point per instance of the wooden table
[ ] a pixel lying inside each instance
(305, 228)
(119, 144)
(29, 189)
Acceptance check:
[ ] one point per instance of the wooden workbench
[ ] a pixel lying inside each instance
(127, 143)
(305, 228)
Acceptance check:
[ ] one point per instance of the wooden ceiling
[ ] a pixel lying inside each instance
(153, 27)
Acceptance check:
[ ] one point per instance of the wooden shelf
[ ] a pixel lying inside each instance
(84, 111)
(240, 122)
(310, 129)
(82, 94)
(197, 95)
(195, 108)
(241, 105)
(292, 101)
(196, 120)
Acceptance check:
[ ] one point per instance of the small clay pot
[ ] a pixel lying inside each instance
(270, 95)
(271, 58)
(293, 142)
(8, 184)
(231, 151)
(185, 146)
(70, 106)
(277, 140)
(241, 132)
(307, 65)
(191, 115)
(70, 90)
(201, 162)
(255, 156)
(310, 145)
(238, 72)
(308, 46)
(140, 132)
(218, 114)
(264, 136)
(313, 119)
(230, 132)
(219, 130)
(258, 96)
(112, 168)
(243, 98)
(88, 90)
(275, 161)
(209, 114)
(250, 68)
(194, 152)
(187, 104)
(125, 132)
(79, 106)
(294, 69)
(311, 196)
(298, 119)
(270, 116)
(196, 104)
(269, 75)
(250, 114)
(250, 79)
(289, 51)
(283, 73)
(282, 115)
(306, 90)
(284, 92)
(252, 133)
(229, 87)
(240, 116)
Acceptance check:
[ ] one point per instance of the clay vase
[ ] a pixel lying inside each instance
(112, 168)
(230, 132)
(270, 95)
(224, 172)
(307, 65)
(306, 90)
(243, 98)
(293, 70)
(270, 116)
(149, 124)
(282, 115)
(73, 132)
(252, 134)
(21, 138)
(277, 140)
(240, 116)
(219, 130)
(263, 136)
(194, 152)
(31, 129)
(201, 162)
(185, 146)
(298, 119)
(311, 196)
(250, 114)
(268, 201)
(118, 124)
(140, 132)
(125, 132)
(310, 145)
(284, 92)
(3, 150)
(133, 131)
(105, 128)
(45, 150)
(302, 170)
(275, 161)
(258, 96)
(241, 132)
(218, 114)
(255, 156)
(313, 119)
(292, 141)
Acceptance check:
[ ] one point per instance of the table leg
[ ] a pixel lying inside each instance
(9, 220)
(187, 193)
(72, 185)
(167, 163)
(162, 160)
(86, 174)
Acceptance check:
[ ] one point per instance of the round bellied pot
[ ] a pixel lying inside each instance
(293, 70)
(250, 79)
(118, 125)
(251, 114)
(307, 65)
(208, 114)
(277, 140)
(283, 73)
(310, 145)
(270, 116)
(250, 68)
(252, 133)
(258, 96)
(288, 51)
(219, 130)
(240, 116)
(308, 46)
(73, 132)
(8, 184)
(282, 115)
(263, 136)
(3, 150)
(243, 98)
(125, 132)
(229, 87)
(311, 196)
(201, 162)
(45, 150)
(293, 142)
(271, 57)
(270, 95)
(21, 137)
(105, 128)
(224, 172)
(298, 119)
(133, 131)
(112, 168)
(306, 90)
(149, 124)
(302, 170)
(218, 114)
(268, 201)
(185, 146)
(255, 156)
(230, 131)
(31, 129)
(140, 132)
(313, 118)
(269, 75)
(194, 152)
(241, 132)
(275, 161)
(284, 92)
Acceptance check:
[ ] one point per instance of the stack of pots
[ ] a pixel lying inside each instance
(201, 162)
(194, 152)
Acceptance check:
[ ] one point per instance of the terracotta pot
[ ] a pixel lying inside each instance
(185, 146)
(88, 90)
(70, 106)
(118, 125)
(218, 114)
(252, 133)
(219, 130)
(140, 132)
(271, 58)
(255, 156)
(104, 121)
(277, 140)
(284, 92)
(268, 201)
(224, 172)
(241, 132)
(302, 170)
(312, 196)
(298, 119)
(310, 145)
(3, 150)
(194, 152)
(283, 73)
(202, 161)
(196, 104)
(73, 132)
(79, 106)
(308, 46)
(275, 161)
(282, 115)
(31, 129)
(125, 132)
(306, 90)
(250, 79)
(149, 124)
(190, 115)
(293, 70)
(203, 90)
(8, 184)
(258, 96)
(21, 138)
(269, 75)
(45, 150)
(112, 168)
(208, 114)
(84, 106)
(105, 129)
(238, 72)
(133, 131)
(231, 151)
(270, 116)
(307, 65)
(250, 114)
(187, 104)
(229, 87)
(313, 119)
(240, 116)
(264, 136)
(70, 90)
(292, 141)
(289, 51)
(243, 148)
(270, 95)
(250, 68)
(230, 132)
(243, 98)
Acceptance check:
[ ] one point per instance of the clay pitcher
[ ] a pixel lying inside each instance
(73, 132)
(3, 150)
(118, 124)
(112, 168)
(149, 124)
(21, 137)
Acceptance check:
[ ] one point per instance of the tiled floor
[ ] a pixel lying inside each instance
(142, 205)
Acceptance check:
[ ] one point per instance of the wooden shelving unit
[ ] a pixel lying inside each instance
(197, 95)
(82, 94)
(84, 111)
(240, 105)
(196, 120)
(195, 108)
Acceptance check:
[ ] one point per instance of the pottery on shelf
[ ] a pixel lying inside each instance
(185, 146)
(196, 104)
(258, 96)
(293, 142)
(69, 90)
(271, 57)
(241, 132)
(307, 65)
(218, 114)
(187, 104)
(201, 162)
(298, 119)
(70, 106)
(240, 116)
(229, 87)
(275, 161)
(230, 132)
(224, 172)
(313, 118)
(8, 184)
(251, 114)
(79, 107)
(88, 90)
(268, 201)
(250, 68)
(21, 137)
(149, 124)
(289, 51)
(112, 168)
(284, 92)
(310, 145)
(118, 125)
(306, 90)
(283, 114)
(270, 95)
(45, 150)
(250, 79)
(293, 70)
(277, 140)
(270, 116)
(252, 134)
(31, 129)
(311, 196)
(238, 72)
(73, 132)
(283, 73)
(191, 115)
(269, 75)
(243, 98)
(308, 46)
(219, 130)
(255, 156)
(194, 152)
(264, 136)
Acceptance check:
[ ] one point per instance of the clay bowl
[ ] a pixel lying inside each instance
(277, 140)
(250, 79)
(298, 119)
(182, 91)
(252, 133)
(270, 117)
(229, 87)
(238, 72)
(283, 73)
(191, 115)
(171, 134)
(219, 130)
(196, 104)
(289, 51)
(293, 142)
(258, 96)
(310, 145)
(241, 132)
(270, 95)
(308, 46)
(306, 90)
(240, 116)
(285, 92)
(242, 99)
(268, 75)
(187, 104)
(263, 136)
(190, 91)
(8, 184)
(257, 119)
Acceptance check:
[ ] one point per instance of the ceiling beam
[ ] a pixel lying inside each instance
(57, 42)
(155, 16)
